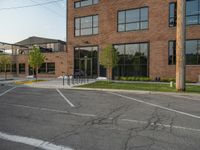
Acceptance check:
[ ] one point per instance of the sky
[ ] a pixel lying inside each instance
(47, 21)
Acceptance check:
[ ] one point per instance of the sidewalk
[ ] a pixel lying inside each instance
(58, 83)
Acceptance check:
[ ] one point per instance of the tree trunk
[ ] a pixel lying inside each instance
(5, 72)
(36, 74)
(180, 45)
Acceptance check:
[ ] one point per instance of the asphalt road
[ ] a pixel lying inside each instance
(34, 119)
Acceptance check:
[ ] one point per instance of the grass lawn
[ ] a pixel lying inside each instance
(139, 86)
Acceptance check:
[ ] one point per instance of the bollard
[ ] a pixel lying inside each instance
(171, 84)
(63, 80)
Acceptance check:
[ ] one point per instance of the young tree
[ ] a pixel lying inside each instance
(109, 59)
(35, 59)
(5, 62)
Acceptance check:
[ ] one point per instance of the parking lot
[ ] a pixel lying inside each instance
(61, 119)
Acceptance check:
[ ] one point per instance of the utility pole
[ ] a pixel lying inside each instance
(180, 45)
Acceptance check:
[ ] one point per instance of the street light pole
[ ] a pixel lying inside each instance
(180, 45)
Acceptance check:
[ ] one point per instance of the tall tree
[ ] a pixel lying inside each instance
(180, 45)
(109, 59)
(35, 59)
(5, 63)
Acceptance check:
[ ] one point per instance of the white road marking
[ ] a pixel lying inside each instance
(7, 91)
(155, 105)
(65, 98)
(162, 125)
(92, 115)
(52, 110)
(179, 96)
(32, 142)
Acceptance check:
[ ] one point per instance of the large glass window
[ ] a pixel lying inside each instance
(192, 52)
(22, 68)
(133, 60)
(51, 68)
(86, 61)
(84, 3)
(192, 13)
(14, 68)
(42, 68)
(87, 25)
(134, 19)
(47, 68)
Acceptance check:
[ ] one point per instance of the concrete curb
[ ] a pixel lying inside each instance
(134, 91)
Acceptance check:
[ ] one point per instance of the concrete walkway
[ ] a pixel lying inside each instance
(58, 83)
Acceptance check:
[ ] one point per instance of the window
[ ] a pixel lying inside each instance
(86, 25)
(14, 68)
(134, 19)
(192, 13)
(172, 14)
(84, 3)
(133, 60)
(192, 52)
(51, 68)
(89, 54)
(42, 68)
(47, 68)
(21, 68)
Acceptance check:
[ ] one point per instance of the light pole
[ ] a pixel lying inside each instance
(180, 45)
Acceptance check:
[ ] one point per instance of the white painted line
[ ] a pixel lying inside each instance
(155, 105)
(7, 91)
(52, 110)
(32, 142)
(92, 115)
(179, 96)
(162, 125)
(65, 98)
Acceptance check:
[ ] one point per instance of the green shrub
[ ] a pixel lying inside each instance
(134, 79)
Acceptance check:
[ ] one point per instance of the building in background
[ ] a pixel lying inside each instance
(142, 31)
(53, 50)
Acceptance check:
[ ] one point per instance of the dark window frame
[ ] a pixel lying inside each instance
(91, 57)
(22, 71)
(92, 28)
(198, 50)
(175, 17)
(140, 21)
(46, 69)
(85, 5)
(139, 43)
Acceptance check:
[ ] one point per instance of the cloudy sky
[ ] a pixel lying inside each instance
(45, 20)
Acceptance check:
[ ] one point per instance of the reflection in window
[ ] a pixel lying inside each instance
(83, 3)
(192, 52)
(47, 68)
(21, 68)
(86, 25)
(91, 54)
(42, 68)
(51, 68)
(135, 19)
(133, 60)
(14, 68)
(192, 13)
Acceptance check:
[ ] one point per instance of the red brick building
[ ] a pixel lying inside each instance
(142, 31)
(54, 65)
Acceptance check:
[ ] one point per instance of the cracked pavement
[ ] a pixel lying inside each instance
(99, 120)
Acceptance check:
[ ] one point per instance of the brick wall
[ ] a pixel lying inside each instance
(58, 57)
(158, 34)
